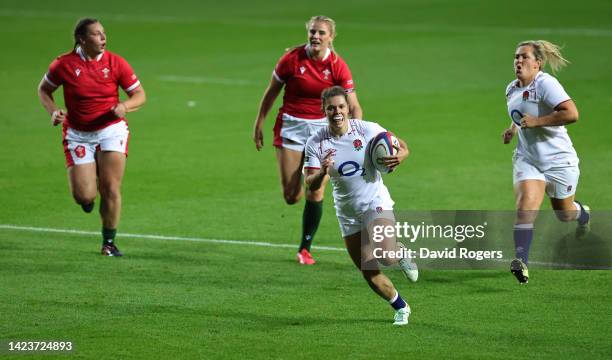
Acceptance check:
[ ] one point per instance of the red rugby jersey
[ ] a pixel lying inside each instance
(91, 87)
(305, 78)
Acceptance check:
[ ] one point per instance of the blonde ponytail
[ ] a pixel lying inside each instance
(547, 52)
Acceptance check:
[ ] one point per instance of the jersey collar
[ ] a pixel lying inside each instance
(327, 52)
(80, 52)
(517, 82)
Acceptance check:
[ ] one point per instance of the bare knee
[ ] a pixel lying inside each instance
(527, 209)
(292, 196)
(291, 199)
(526, 216)
(110, 190)
(528, 202)
(84, 198)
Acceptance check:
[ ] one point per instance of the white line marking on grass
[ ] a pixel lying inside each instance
(241, 242)
(162, 237)
(206, 80)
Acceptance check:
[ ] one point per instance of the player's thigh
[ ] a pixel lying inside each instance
(113, 147)
(529, 184)
(290, 168)
(380, 220)
(360, 252)
(382, 239)
(111, 168)
(529, 197)
(381, 231)
(83, 181)
(353, 246)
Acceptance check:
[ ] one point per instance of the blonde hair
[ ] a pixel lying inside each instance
(330, 23)
(547, 52)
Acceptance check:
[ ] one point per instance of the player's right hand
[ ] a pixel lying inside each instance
(58, 117)
(327, 163)
(258, 138)
(507, 136)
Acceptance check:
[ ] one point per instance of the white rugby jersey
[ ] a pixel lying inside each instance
(547, 146)
(355, 181)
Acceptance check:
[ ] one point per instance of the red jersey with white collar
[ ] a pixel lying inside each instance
(305, 78)
(91, 87)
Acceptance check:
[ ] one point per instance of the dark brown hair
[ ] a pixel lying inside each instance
(80, 30)
(330, 92)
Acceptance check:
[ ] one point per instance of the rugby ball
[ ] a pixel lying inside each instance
(382, 145)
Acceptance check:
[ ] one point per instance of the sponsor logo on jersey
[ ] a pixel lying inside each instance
(569, 188)
(302, 69)
(80, 151)
(357, 144)
(326, 72)
(350, 168)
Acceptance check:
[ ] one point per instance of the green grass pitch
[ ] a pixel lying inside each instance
(434, 72)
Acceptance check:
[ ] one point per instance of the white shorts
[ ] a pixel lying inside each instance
(80, 146)
(561, 182)
(380, 208)
(294, 132)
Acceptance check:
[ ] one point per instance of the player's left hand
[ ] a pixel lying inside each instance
(529, 121)
(392, 161)
(119, 110)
